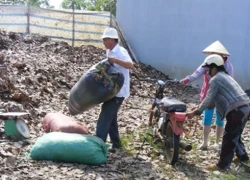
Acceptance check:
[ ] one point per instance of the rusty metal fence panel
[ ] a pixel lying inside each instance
(58, 25)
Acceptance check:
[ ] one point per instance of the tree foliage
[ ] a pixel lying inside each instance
(36, 3)
(79, 4)
(91, 5)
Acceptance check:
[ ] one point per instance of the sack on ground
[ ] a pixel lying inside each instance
(70, 148)
(99, 84)
(59, 122)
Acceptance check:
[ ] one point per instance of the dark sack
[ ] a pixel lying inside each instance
(99, 84)
(59, 122)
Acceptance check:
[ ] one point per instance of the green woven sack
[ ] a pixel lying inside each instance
(71, 148)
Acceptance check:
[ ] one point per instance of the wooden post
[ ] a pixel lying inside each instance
(110, 15)
(28, 20)
(110, 19)
(73, 25)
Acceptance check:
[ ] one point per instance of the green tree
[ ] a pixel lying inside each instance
(79, 4)
(39, 3)
(91, 5)
(36, 3)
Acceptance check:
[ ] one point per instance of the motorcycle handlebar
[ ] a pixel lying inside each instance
(162, 82)
(172, 80)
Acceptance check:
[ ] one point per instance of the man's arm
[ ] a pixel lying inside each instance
(208, 101)
(125, 62)
(196, 75)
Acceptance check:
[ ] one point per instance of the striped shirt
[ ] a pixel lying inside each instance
(225, 93)
(202, 71)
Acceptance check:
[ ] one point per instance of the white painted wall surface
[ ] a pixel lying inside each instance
(171, 34)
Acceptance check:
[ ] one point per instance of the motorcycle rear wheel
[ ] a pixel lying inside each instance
(171, 141)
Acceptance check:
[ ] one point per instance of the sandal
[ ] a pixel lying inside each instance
(203, 147)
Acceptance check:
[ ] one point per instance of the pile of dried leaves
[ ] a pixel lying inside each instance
(36, 76)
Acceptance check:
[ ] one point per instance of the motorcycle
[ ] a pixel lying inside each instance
(167, 116)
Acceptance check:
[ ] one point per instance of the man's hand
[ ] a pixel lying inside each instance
(126, 63)
(190, 115)
(183, 82)
(193, 113)
(112, 60)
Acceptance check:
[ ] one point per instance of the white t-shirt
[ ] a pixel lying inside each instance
(121, 53)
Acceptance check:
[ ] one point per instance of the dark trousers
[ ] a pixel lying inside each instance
(232, 143)
(107, 122)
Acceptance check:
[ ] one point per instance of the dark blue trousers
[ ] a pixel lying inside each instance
(232, 143)
(107, 122)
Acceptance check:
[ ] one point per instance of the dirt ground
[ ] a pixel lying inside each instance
(36, 76)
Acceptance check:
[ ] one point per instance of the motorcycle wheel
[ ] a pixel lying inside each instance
(171, 144)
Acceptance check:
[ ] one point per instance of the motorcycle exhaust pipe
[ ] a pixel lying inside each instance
(186, 147)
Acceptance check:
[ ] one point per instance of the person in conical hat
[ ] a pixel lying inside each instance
(214, 48)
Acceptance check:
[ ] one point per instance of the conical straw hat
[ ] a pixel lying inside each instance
(216, 47)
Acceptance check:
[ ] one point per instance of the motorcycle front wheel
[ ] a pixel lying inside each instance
(171, 142)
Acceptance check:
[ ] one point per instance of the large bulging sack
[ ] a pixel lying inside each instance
(70, 148)
(99, 84)
(61, 123)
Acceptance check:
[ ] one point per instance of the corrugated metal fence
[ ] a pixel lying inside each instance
(86, 28)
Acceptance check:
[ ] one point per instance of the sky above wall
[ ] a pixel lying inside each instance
(56, 3)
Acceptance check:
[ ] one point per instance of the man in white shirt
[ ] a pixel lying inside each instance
(119, 57)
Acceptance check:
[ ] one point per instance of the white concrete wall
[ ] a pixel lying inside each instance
(171, 34)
